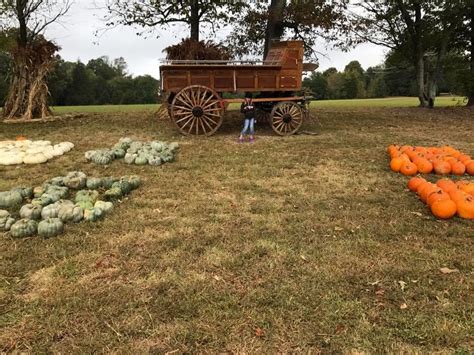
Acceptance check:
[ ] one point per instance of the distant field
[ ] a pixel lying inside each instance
(387, 102)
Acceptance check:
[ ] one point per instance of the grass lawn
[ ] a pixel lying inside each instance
(293, 244)
(388, 102)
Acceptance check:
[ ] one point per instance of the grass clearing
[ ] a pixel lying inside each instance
(293, 244)
(340, 104)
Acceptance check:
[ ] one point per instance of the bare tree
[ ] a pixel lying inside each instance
(33, 55)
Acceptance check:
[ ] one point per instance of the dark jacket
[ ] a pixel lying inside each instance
(248, 109)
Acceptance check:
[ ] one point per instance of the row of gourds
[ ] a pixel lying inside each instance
(446, 198)
(43, 210)
(411, 160)
(31, 152)
(135, 152)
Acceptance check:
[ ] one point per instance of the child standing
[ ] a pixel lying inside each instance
(248, 109)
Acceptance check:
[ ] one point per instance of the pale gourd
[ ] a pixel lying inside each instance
(73, 214)
(130, 158)
(93, 214)
(57, 181)
(107, 207)
(6, 221)
(31, 211)
(154, 161)
(141, 160)
(10, 199)
(133, 180)
(85, 204)
(89, 154)
(37, 158)
(61, 191)
(38, 191)
(24, 228)
(50, 227)
(52, 211)
(93, 183)
(75, 180)
(87, 196)
(118, 153)
(44, 200)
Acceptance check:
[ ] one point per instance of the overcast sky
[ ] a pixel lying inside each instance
(76, 36)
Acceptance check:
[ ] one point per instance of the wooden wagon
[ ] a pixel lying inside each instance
(194, 89)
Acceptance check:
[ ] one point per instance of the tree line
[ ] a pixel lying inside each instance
(395, 77)
(100, 81)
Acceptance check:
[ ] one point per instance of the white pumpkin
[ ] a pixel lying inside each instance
(35, 158)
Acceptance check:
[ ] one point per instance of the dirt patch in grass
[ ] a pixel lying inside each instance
(292, 244)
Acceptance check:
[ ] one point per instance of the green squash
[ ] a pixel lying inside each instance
(10, 199)
(166, 156)
(50, 227)
(123, 143)
(26, 192)
(24, 228)
(107, 182)
(31, 211)
(50, 211)
(141, 160)
(124, 186)
(89, 154)
(133, 180)
(44, 200)
(61, 191)
(87, 195)
(103, 157)
(130, 158)
(113, 194)
(157, 146)
(107, 207)
(94, 183)
(93, 214)
(118, 153)
(57, 181)
(73, 214)
(75, 180)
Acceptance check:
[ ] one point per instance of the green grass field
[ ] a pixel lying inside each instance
(388, 102)
(301, 244)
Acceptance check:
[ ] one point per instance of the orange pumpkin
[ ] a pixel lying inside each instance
(446, 184)
(426, 191)
(458, 168)
(408, 169)
(414, 182)
(396, 164)
(437, 195)
(470, 168)
(444, 209)
(442, 167)
(466, 207)
(457, 195)
(424, 166)
(464, 157)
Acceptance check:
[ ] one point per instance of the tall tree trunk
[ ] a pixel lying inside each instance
(22, 38)
(195, 20)
(275, 28)
(420, 78)
(471, 82)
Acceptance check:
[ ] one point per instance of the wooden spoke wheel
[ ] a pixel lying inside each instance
(197, 110)
(286, 118)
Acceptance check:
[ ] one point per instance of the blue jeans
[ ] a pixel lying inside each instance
(249, 126)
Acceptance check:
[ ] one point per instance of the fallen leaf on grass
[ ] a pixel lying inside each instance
(402, 285)
(403, 306)
(447, 270)
(259, 332)
(338, 229)
(217, 278)
(303, 257)
(417, 214)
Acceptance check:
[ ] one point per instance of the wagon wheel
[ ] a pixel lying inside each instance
(286, 118)
(197, 110)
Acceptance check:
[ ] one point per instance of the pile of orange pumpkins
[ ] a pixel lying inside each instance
(445, 160)
(445, 198)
